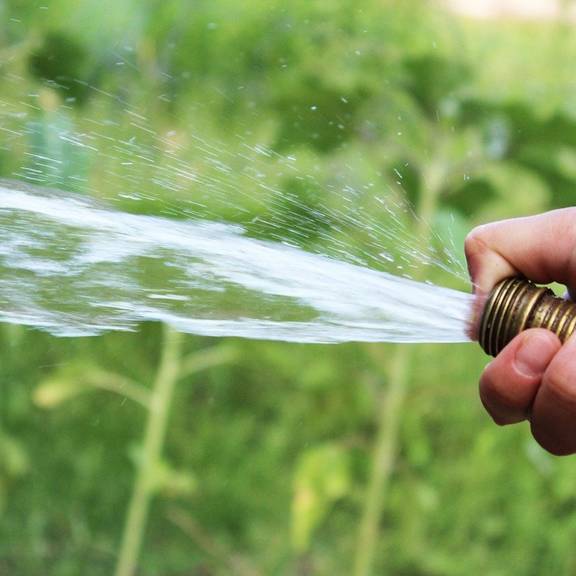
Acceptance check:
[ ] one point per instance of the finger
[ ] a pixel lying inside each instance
(539, 247)
(553, 418)
(510, 382)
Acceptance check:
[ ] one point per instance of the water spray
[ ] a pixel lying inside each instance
(517, 304)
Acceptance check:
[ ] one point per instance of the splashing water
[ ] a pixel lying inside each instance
(71, 267)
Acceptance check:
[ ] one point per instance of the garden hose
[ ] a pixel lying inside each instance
(516, 304)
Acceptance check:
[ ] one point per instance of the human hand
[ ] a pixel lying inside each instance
(534, 376)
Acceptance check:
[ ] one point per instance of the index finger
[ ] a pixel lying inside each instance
(542, 248)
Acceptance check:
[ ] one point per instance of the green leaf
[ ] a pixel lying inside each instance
(172, 483)
(322, 477)
(76, 380)
(13, 456)
(166, 479)
(54, 391)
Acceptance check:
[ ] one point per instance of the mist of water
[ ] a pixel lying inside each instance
(72, 267)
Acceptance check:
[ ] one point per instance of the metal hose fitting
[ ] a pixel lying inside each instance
(517, 304)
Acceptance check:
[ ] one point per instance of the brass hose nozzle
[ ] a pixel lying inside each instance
(517, 304)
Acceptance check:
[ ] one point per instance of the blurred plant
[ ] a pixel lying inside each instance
(359, 86)
(390, 406)
(220, 555)
(62, 62)
(321, 478)
(485, 140)
(14, 464)
(154, 474)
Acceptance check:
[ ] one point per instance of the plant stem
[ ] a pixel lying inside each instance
(207, 358)
(382, 461)
(390, 410)
(126, 387)
(160, 404)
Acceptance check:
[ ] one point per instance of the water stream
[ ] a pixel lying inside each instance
(72, 267)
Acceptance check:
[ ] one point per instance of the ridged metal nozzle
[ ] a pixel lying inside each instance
(517, 304)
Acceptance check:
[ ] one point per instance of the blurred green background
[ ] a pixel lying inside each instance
(279, 459)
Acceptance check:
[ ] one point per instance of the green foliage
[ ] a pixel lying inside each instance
(15, 465)
(433, 82)
(322, 477)
(62, 61)
(350, 108)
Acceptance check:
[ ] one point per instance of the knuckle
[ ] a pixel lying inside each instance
(475, 240)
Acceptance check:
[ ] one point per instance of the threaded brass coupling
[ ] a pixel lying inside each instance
(517, 304)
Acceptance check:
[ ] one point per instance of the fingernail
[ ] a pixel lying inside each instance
(534, 355)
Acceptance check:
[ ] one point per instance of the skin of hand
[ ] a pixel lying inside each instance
(534, 377)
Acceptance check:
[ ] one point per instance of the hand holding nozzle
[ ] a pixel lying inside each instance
(527, 328)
